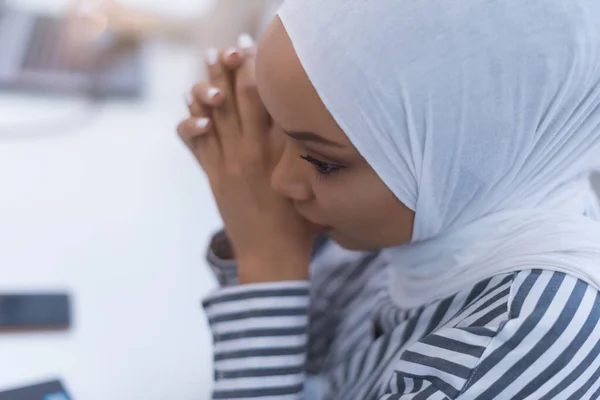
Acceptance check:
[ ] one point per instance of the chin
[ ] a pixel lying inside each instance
(353, 244)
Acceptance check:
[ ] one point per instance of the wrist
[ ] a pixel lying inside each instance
(268, 269)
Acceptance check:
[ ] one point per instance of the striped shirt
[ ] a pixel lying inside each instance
(532, 334)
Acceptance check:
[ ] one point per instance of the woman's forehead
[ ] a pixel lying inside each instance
(282, 82)
(286, 89)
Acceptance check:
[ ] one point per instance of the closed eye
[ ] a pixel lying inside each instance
(324, 169)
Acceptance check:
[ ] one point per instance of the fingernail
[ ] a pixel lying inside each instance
(212, 93)
(202, 123)
(245, 41)
(189, 99)
(231, 51)
(212, 56)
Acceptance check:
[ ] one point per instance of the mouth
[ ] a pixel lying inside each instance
(314, 226)
(318, 228)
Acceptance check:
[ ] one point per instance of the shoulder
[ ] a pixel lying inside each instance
(529, 334)
(548, 294)
(548, 346)
(496, 301)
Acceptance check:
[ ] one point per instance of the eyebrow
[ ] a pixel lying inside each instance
(313, 137)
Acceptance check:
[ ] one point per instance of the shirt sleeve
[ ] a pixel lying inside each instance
(221, 259)
(260, 338)
(548, 348)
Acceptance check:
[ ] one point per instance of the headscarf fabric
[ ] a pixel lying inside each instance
(482, 116)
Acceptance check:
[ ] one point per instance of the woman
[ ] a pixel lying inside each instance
(459, 138)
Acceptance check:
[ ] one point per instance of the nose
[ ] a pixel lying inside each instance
(288, 177)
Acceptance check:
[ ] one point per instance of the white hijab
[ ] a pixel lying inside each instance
(482, 116)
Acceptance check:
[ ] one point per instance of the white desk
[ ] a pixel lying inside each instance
(117, 213)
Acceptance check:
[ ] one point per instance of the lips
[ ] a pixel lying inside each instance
(315, 227)
(322, 229)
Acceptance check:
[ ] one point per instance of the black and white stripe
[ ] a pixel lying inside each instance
(533, 334)
(260, 336)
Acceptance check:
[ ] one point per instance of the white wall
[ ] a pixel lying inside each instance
(108, 205)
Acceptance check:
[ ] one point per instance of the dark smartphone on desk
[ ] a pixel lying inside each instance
(34, 312)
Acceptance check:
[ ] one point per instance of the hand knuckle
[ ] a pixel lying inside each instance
(196, 111)
(251, 155)
(218, 75)
(247, 163)
(181, 129)
(235, 169)
(198, 87)
(247, 89)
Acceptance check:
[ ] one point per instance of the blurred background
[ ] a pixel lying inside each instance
(99, 199)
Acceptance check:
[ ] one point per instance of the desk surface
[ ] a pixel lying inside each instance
(118, 213)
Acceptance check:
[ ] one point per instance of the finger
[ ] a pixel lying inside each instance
(200, 109)
(196, 109)
(254, 118)
(193, 128)
(199, 136)
(246, 44)
(232, 59)
(205, 94)
(225, 116)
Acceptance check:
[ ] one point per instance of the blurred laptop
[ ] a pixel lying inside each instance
(50, 54)
(44, 391)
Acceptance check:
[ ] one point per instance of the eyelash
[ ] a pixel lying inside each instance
(324, 169)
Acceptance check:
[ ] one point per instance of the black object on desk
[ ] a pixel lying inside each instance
(34, 312)
(44, 391)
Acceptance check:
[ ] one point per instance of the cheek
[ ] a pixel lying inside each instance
(363, 211)
(350, 199)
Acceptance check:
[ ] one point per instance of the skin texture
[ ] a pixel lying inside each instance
(363, 212)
